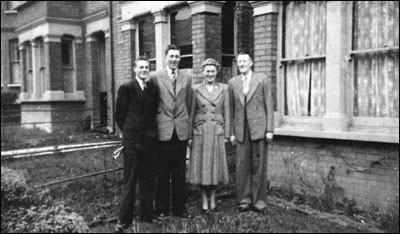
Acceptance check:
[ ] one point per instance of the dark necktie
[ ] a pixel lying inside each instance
(173, 76)
(144, 84)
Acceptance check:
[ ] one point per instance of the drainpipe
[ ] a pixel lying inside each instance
(112, 65)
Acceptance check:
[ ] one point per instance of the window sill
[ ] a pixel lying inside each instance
(389, 137)
(53, 96)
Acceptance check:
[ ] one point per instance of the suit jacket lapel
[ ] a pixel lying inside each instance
(239, 88)
(179, 82)
(167, 82)
(210, 97)
(254, 82)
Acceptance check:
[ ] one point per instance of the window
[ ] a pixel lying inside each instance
(147, 40)
(375, 53)
(41, 67)
(181, 35)
(227, 30)
(304, 23)
(66, 51)
(27, 64)
(15, 77)
(68, 63)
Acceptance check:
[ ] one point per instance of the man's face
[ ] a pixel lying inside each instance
(173, 59)
(142, 69)
(244, 63)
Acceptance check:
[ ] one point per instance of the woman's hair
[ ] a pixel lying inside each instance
(210, 61)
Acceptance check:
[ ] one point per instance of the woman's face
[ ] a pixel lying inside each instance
(210, 73)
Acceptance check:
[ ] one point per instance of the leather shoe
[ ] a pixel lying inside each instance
(184, 215)
(243, 207)
(120, 228)
(261, 211)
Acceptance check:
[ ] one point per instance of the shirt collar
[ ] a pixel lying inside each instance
(169, 70)
(141, 82)
(248, 76)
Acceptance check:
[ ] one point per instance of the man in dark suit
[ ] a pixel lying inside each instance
(252, 126)
(135, 115)
(173, 132)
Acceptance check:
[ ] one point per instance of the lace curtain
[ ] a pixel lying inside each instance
(376, 26)
(305, 35)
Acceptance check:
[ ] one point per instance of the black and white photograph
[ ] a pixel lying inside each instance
(200, 117)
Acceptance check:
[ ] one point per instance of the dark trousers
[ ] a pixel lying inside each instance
(138, 169)
(171, 165)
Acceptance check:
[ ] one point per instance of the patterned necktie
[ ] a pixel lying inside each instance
(245, 85)
(173, 76)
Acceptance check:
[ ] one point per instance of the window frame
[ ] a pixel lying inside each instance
(370, 129)
(153, 61)
(170, 13)
(309, 122)
(72, 65)
(363, 123)
(14, 46)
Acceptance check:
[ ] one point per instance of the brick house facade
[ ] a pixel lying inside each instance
(74, 56)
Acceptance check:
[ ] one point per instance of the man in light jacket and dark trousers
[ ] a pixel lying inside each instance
(252, 126)
(175, 88)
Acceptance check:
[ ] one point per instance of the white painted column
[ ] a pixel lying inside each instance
(335, 118)
(162, 34)
(35, 94)
(23, 95)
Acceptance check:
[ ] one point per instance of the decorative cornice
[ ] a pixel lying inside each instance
(206, 6)
(96, 16)
(53, 20)
(128, 25)
(264, 7)
(52, 29)
(160, 16)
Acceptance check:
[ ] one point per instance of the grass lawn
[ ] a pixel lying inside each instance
(97, 199)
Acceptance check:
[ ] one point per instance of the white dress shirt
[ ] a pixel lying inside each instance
(246, 82)
(141, 82)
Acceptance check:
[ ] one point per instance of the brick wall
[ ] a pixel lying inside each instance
(206, 36)
(91, 80)
(80, 66)
(93, 7)
(8, 24)
(265, 48)
(128, 55)
(53, 116)
(64, 9)
(365, 171)
(32, 12)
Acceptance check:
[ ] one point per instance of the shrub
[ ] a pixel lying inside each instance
(13, 187)
(24, 209)
(8, 97)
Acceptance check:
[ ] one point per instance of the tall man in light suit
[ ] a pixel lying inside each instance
(173, 132)
(252, 126)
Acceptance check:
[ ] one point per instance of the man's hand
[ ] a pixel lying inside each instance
(269, 136)
(189, 142)
(233, 140)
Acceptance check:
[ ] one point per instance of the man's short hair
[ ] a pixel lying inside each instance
(172, 47)
(140, 58)
(245, 53)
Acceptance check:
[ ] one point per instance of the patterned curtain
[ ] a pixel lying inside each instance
(376, 26)
(305, 35)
